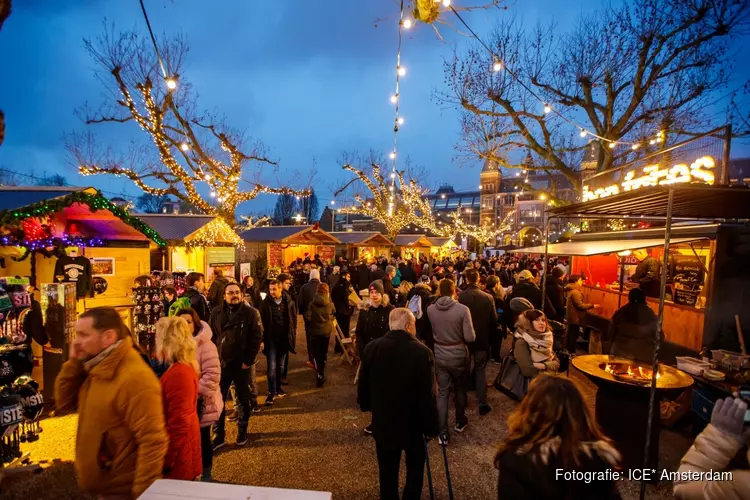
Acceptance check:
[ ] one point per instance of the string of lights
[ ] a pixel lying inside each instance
(498, 66)
(37, 178)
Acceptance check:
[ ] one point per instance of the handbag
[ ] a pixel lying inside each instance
(511, 381)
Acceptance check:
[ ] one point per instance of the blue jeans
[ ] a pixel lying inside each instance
(277, 360)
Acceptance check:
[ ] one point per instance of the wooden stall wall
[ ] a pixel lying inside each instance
(182, 260)
(129, 264)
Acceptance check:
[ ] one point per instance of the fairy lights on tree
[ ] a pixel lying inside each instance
(248, 222)
(186, 150)
(485, 232)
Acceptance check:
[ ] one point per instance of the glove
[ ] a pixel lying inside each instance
(729, 417)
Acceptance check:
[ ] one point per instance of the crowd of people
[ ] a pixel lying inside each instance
(417, 328)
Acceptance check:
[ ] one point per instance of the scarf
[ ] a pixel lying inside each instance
(540, 342)
(90, 364)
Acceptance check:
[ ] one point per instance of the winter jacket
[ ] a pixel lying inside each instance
(198, 302)
(364, 277)
(451, 329)
(215, 294)
(408, 274)
(210, 374)
(556, 296)
(483, 315)
(238, 332)
(712, 451)
(396, 281)
(576, 307)
(532, 473)
(531, 292)
(632, 331)
(332, 280)
(252, 295)
(424, 328)
(522, 352)
(340, 297)
(180, 395)
(648, 277)
(319, 316)
(388, 288)
(121, 441)
(396, 383)
(265, 316)
(372, 323)
(306, 295)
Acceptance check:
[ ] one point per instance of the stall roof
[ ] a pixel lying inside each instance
(412, 240)
(691, 202)
(363, 238)
(13, 197)
(438, 242)
(176, 227)
(599, 247)
(92, 213)
(293, 235)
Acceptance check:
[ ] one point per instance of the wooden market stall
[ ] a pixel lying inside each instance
(282, 245)
(442, 247)
(195, 243)
(364, 245)
(411, 246)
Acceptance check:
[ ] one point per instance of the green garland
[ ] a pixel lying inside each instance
(93, 201)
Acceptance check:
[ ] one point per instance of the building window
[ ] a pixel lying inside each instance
(488, 202)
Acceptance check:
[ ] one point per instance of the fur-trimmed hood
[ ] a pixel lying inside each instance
(590, 449)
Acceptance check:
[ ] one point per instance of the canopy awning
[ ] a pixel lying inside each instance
(599, 247)
(691, 202)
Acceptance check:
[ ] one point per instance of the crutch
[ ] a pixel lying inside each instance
(447, 470)
(429, 471)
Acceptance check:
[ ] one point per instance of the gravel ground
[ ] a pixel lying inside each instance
(313, 439)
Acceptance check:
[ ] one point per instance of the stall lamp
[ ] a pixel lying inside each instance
(624, 253)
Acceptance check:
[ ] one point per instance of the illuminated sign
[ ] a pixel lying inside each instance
(700, 171)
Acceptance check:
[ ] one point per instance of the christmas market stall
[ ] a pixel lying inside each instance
(442, 247)
(411, 246)
(275, 247)
(78, 250)
(363, 245)
(195, 243)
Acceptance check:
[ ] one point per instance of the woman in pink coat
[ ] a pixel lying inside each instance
(208, 384)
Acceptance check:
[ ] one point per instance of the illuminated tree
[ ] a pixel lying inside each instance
(624, 73)
(396, 201)
(484, 233)
(184, 148)
(248, 222)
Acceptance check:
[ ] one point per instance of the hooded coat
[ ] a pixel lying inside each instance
(451, 329)
(532, 473)
(576, 307)
(121, 441)
(632, 332)
(319, 316)
(372, 323)
(522, 352)
(210, 374)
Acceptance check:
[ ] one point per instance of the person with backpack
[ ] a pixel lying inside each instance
(239, 333)
(195, 285)
(417, 301)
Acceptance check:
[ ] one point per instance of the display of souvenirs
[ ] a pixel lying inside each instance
(147, 310)
(179, 283)
(21, 406)
(14, 299)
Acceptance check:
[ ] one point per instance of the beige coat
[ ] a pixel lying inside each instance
(712, 451)
(121, 441)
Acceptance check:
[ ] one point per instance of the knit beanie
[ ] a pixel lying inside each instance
(377, 286)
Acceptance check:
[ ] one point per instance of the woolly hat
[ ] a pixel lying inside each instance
(524, 275)
(520, 304)
(377, 286)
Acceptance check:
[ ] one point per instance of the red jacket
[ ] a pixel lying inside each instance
(179, 386)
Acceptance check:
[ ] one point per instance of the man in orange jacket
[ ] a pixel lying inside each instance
(121, 440)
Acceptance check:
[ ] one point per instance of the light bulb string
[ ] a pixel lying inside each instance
(394, 153)
(546, 104)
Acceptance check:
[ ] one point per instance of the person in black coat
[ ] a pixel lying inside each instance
(556, 293)
(304, 299)
(396, 384)
(545, 442)
(251, 292)
(373, 316)
(344, 310)
(279, 318)
(238, 331)
(484, 321)
(196, 284)
(407, 272)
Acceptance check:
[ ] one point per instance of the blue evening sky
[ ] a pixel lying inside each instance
(311, 79)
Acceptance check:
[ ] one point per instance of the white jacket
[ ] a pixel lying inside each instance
(712, 451)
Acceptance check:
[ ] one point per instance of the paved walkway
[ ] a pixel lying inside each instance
(313, 439)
